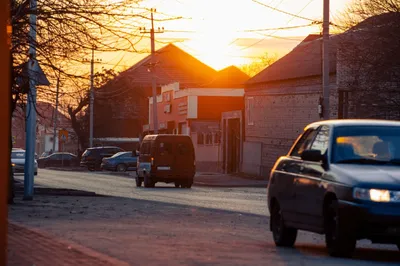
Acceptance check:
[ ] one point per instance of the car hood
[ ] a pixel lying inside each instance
(376, 176)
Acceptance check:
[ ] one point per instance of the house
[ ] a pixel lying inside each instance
(123, 102)
(284, 97)
(44, 129)
(201, 113)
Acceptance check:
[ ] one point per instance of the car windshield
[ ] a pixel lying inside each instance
(366, 145)
(17, 155)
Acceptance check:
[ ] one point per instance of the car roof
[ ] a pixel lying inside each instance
(354, 122)
(104, 147)
(153, 137)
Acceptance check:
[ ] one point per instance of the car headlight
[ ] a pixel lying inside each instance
(376, 195)
(13, 164)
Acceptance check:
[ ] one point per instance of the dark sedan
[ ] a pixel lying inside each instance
(342, 179)
(59, 159)
(120, 162)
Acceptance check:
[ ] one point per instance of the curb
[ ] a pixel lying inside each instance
(61, 192)
(201, 184)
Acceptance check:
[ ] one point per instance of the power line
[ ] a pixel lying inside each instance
(272, 34)
(285, 12)
(283, 28)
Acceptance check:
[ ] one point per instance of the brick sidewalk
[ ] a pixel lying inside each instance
(30, 247)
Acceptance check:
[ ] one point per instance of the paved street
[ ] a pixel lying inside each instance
(169, 226)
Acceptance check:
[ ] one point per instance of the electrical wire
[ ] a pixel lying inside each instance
(285, 12)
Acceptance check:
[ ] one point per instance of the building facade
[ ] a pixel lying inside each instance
(197, 112)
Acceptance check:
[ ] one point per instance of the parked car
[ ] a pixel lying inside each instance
(166, 158)
(18, 161)
(58, 159)
(120, 162)
(341, 178)
(93, 157)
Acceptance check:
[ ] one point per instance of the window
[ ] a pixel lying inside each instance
(165, 148)
(200, 138)
(250, 107)
(321, 141)
(217, 138)
(183, 149)
(209, 138)
(145, 148)
(303, 143)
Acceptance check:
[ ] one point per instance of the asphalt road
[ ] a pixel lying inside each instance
(170, 226)
(247, 200)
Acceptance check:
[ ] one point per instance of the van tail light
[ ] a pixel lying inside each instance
(152, 161)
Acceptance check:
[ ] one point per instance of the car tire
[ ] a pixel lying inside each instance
(339, 239)
(121, 168)
(91, 168)
(148, 182)
(35, 173)
(398, 246)
(283, 236)
(138, 181)
(177, 184)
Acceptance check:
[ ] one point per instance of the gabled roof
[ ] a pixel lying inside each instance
(230, 77)
(305, 60)
(172, 64)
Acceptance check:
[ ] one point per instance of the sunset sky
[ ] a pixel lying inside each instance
(220, 32)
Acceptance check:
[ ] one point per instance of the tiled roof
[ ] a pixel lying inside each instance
(171, 65)
(230, 77)
(304, 60)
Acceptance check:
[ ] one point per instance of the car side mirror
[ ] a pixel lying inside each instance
(312, 155)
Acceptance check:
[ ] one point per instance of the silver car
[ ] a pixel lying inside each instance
(18, 161)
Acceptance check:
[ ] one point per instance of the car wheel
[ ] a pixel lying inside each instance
(398, 246)
(148, 182)
(35, 173)
(138, 182)
(91, 168)
(283, 236)
(338, 237)
(121, 168)
(177, 184)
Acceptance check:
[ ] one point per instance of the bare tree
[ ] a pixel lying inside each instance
(67, 31)
(369, 58)
(259, 64)
(359, 10)
(78, 108)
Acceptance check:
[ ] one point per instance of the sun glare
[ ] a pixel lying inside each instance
(216, 31)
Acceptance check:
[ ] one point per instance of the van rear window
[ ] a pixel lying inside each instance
(145, 148)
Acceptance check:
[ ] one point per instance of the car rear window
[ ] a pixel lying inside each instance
(18, 155)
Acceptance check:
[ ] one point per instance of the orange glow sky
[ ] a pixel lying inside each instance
(216, 33)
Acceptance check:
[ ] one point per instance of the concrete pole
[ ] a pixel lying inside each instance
(325, 62)
(91, 100)
(56, 115)
(31, 107)
(153, 78)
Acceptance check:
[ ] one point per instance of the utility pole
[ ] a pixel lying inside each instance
(91, 94)
(91, 100)
(325, 62)
(31, 107)
(152, 67)
(56, 114)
